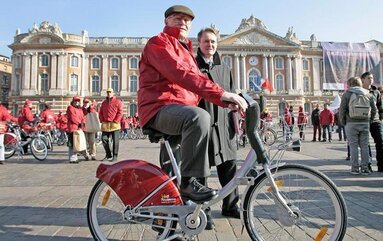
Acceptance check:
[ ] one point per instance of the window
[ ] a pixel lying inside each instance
(133, 63)
(73, 82)
(279, 82)
(133, 83)
(44, 60)
(306, 84)
(132, 109)
(305, 64)
(114, 83)
(279, 63)
(44, 86)
(95, 84)
(227, 61)
(95, 63)
(114, 63)
(254, 80)
(74, 61)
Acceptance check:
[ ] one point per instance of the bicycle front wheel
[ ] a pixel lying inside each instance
(10, 145)
(319, 207)
(39, 149)
(106, 222)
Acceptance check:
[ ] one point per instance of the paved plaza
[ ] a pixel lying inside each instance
(47, 200)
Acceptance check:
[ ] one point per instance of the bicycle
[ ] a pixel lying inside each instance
(13, 143)
(136, 200)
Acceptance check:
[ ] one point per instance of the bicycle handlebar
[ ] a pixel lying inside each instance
(252, 122)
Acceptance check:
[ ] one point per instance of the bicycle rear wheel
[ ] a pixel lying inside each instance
(319, 206)
(268, 136)
(39, 149)
(105, 219)
(10, 145)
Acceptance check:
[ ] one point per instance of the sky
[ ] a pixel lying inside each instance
(329, 20)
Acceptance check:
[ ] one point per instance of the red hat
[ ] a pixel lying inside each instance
(27, 102)
(76, 98)
(86, 100)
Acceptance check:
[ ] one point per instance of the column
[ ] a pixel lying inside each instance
(53, 75)
(237, 72)
(34, 72)
(62, 79)
(124, 76)
(265, 68)
(289, 77)
(245, 82)
(25, 88)
(104, 74)
(271, 76)
(298, 86)
(13, 90)
(84, 77)
(316, 75)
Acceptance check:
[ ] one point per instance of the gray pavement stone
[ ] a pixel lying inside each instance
(47, 200)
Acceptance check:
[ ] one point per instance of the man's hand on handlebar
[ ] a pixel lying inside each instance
(236, 102)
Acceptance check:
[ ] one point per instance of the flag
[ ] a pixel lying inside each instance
(255, 84)
(267, 85)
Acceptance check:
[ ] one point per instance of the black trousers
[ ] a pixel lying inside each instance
(376, 130)
(105, 137)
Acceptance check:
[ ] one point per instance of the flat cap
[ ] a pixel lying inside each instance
(109, 90)
(76, 98)
(179, 9)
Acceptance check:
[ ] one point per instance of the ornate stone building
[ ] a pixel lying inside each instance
(5, 79)
(52, 66)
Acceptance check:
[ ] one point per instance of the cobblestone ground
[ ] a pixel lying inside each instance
(47, 200)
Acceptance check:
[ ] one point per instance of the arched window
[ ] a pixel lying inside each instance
(133, 83)
(278, 63)
(44, 84)
(95, 84)
(44, 60)
(306, 84)
(73, 82)
(114, 83)
(254, 80)
(133, 64)
(74, 61)
(132, 109)
(306, 108)
(227, 61)
(95, 63)
(305, 64)
(114, 63)
(279, 82)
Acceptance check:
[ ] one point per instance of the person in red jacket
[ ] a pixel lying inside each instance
(302, 121)
(287, 124)
(76, 120)
(110, 115)
(4, 118)
(170, 87)
(124, 127)
(47, 115)
(326, 120)
(26, 118)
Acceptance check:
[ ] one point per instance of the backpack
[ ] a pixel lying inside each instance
(359, 106)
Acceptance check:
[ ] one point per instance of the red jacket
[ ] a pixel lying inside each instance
(326, 117)
(62, 122)
(5, 116)
(302, 118)
(160, 85)
(48, 116)
(75, 117)
(111, 110)
(25, 115)
(288, 117)
(124, 123)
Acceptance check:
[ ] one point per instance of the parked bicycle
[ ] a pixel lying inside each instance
(136, 200)
(14, 143)
(267, 134)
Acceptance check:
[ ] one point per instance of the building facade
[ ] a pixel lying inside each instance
(5, 79)
(52, 66)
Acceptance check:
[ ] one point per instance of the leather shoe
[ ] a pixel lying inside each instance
(232, 213)
(197, 192)
(107, 159)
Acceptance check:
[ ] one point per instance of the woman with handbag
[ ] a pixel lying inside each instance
(91, 127)
(76, 125)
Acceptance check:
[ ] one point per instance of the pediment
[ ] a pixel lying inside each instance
(256, 37)
(42, 38)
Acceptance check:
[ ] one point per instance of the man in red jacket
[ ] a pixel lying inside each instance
(110, 115)
(170, 87)
(4, 117)
(76, 120)
(47, 115)
(26, 117)
(326, 119)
